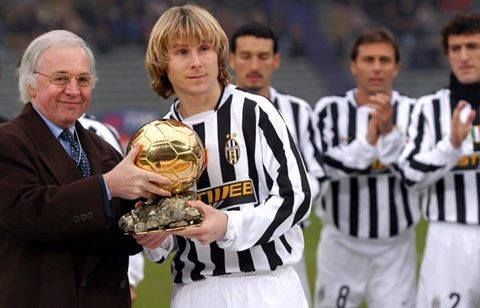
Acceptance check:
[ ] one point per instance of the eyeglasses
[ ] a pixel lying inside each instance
(63, 79)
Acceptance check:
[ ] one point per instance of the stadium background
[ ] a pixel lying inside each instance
(315, 39)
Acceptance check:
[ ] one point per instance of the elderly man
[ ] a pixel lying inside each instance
(60, 187)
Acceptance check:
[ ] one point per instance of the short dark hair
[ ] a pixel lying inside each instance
(458, 25)
(378, 35)
(257, 30)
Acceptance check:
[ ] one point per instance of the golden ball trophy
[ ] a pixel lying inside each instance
(174, 150)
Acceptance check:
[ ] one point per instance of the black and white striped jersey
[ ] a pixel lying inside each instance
(297, 114)
(451, 176)
(104, 130)
(366, 198)
(255, 173)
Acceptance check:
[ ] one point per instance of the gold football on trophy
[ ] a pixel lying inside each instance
(171, 149)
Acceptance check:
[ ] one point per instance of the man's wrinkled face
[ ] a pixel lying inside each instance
(62, 105)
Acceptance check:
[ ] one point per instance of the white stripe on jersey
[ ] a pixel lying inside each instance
(429, 160)
(365, 198)
(267, 234)
(297, 114)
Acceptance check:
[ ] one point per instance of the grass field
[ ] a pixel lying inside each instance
(155, 289)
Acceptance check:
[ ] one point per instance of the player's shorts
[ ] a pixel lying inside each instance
(301, 268)
(279, 288)
(450, 272)
(379, 272)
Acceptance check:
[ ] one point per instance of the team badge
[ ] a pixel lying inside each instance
(232, 149)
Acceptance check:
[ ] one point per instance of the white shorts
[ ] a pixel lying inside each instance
(280, 288)
(301, 268)
(450, 273)
(379, 272)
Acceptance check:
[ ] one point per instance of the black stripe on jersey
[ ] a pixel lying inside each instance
(249, 134)
(440, 192)
(460, 198)
(198, 266)
(316, 153)
(286, 191)
(352, 122)
(410, 118)
(406, 205)
(224, 129)
(203, 180)
(228, 174)
(477, 175)
(418, 140)
(393, 208)
(329, 160)
(395, 112)
(334, 112)
(321, 127)
(372, 191)
(178, 264)
(428, 205)
(436, 115)
(306, 203)
(273, 258)
(335, 204)
(218, 258)
(218, 255)
(275, 103)
(285, 243)
(296, 116)
(354, 207)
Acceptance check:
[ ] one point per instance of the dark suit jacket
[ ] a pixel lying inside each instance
(57, 248)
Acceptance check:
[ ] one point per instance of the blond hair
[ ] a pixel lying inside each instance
(184, 23)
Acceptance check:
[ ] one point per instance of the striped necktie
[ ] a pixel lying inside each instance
(76, 153)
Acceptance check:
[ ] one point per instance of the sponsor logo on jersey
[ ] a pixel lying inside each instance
(379, 167)
(468, 162)
(229, 195)
(232, 149)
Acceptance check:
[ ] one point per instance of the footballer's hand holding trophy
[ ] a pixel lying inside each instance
(175, 151)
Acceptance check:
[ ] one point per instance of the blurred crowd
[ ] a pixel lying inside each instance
(108, 23)
(414, 22)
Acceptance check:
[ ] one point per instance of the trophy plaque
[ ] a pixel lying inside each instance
(174, 150)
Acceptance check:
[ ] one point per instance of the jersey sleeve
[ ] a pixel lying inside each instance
(340, 159)
(161, 253)
(426, 159)
(135, 269)
(310, 153)
(289, 197)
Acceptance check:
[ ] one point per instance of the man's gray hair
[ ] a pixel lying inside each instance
(29, 63)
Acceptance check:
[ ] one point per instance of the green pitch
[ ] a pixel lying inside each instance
(155, 289)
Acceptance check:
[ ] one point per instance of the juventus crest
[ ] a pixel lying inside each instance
(232, 149)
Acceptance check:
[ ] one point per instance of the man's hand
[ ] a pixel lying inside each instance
(133, 294)
(213, 227)
(382, 112)
(373, 133)
(460, 129)
(127, 181)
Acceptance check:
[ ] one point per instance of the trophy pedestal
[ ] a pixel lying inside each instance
(165, 214)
